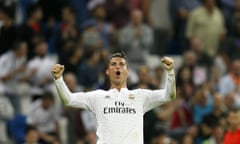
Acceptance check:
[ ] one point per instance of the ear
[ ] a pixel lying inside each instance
(107, 72)
(128, 72)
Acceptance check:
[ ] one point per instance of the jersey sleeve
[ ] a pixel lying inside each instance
(83, 100)
(154, 98)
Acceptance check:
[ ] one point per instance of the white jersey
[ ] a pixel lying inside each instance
(119, 114)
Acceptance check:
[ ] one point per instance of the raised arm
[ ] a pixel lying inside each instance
(154, 98)
(78, 99)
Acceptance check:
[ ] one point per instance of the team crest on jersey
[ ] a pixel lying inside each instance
(131, 96)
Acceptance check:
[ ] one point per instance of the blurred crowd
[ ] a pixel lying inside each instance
(203, 36)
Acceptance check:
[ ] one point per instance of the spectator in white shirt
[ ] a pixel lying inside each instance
(41, 64)
(44, 117)
(12, 65)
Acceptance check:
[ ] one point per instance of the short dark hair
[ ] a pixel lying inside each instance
(31, 9)
(232, 110)
(120, 54)
(47, 96)
(30, 128)
(17, 44)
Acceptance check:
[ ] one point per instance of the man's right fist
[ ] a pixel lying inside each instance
(57, 71)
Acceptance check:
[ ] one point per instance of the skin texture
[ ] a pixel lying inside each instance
(118, 72)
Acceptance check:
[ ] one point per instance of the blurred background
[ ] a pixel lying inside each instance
(203, 36)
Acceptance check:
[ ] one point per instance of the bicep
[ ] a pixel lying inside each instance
(154, 98)
(82, 100)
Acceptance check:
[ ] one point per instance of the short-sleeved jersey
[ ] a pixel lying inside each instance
(119, 114)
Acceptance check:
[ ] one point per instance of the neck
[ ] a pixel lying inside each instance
(31, 21)
(209, 9)
(118, 87)
(234, 128)
(74, 60)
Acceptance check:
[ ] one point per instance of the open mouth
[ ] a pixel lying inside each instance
(118, 73)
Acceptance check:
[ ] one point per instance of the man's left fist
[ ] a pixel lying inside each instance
(168, 63)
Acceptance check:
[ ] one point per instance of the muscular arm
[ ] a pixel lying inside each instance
(154, 98)
(79, 99)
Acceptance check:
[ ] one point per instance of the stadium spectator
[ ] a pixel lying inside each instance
(68, 29)
(105, 29)
(229, 82)
(6, 113)
(207, 24)
(42, 115)
(74, 58)
(216, 136)
(187, 139)
(182, 118)
(136, 39)
(185, 82)
(144, 80)
(161, 137)
(31, 135)
(13, 66)
(88, 72)
(202, 103)
(118, 12)
(182, 12)
(232, 136)
(40, 65)
(91, 36)
(31, 28)
(8, 29)
(157, 15)
(158, 79)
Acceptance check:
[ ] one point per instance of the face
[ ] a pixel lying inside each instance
(22, 51)
(70, 80)
(186, 74)
(158, 72)
(143, 74)
(236, 67)
(117, 71)
(218, 132)
(46, 103)
(32, 136)
(189, 58)
(218, 101)
(210, 3)
(67, 15)
(100, 12)
(233, 119)
(42, 49)
(136, 17)
(38, 14)
(187, 139)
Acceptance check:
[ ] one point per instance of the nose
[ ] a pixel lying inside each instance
(117, 66)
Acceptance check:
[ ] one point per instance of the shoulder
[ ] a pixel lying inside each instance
(7, 55)
(127, 28)
(218, 12)
(146, 27)
(97, 92)
(198, 11)
(139, 91)
(226, 78)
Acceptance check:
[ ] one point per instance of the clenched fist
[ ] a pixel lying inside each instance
(57, 71)
(168, 64)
